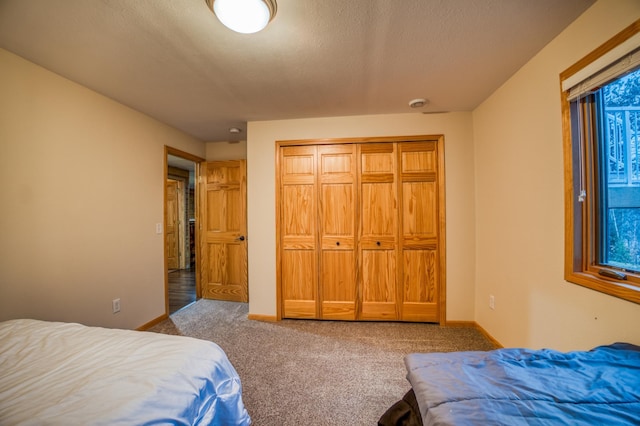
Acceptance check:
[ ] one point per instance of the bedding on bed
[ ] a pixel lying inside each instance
(521, 386)
(61, 373)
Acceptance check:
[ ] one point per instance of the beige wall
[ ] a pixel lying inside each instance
(221, 151)
(82, 185)
(520, 204)
(261, 191)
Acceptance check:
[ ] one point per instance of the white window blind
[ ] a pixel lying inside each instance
(625, 57)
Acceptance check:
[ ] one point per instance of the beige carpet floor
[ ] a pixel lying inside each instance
(324, 373)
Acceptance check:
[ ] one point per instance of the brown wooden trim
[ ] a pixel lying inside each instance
(489, 337)
(473, 324)
(183, 154)
(153, 322)
(381, 139)
(263, 318)
(442, 229)
(601, 50)
(611, 287)
(197, 215)
(165, 173)
(398, 183)
(278, 234)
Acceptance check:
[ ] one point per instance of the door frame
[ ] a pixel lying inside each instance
(197, 160)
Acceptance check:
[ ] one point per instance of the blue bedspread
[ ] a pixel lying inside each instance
(521, 386)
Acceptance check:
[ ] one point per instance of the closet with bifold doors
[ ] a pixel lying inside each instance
(360, 229)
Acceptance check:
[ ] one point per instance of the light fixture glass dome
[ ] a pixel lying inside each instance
(244, 16)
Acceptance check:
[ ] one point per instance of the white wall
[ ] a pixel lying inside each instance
(261, 192)
(82, 190)
(520, 204)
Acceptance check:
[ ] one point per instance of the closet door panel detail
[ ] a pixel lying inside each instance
(378, 232)
(299, 293)
(420, 285)
(419, 231)
(298, 229)
(379, 285)
(337, 178)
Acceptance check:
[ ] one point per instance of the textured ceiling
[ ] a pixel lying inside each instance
(174, 61)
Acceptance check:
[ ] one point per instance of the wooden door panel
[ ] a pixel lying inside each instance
(299, 283)
(337, 178)
(378, 232)
(226, 276)
(223, 246)
(337, 210)
(234, 205)
(298, 232)
(419, 209)
(298, 165)
(419, 158)
(228, 215)
(378, 285)
(215, 216)
(420, 228)
(379, 215)
(339, 286)
(420, 276)
(377, 159)
(298, 210)
(337, 163)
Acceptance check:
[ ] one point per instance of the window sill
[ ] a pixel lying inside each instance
(621, 289)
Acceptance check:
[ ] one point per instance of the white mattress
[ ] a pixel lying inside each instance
(70, 374)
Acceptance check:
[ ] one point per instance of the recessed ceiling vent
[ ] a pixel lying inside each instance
(418, 103)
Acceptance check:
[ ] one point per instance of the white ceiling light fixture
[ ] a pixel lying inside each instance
(244, 16)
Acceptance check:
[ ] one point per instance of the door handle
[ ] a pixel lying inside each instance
(240, 238)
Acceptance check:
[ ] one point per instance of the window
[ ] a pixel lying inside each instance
(601, 133)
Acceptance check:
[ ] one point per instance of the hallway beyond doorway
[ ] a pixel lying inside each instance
(182, 289)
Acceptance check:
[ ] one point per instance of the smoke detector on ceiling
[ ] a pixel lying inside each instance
(418, 103)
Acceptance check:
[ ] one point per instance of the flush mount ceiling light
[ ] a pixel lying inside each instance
(418, 103)
(244, 16)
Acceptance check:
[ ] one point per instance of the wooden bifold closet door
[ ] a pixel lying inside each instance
(360, 224)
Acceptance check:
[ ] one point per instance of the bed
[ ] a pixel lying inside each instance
(521, 387)
(69, 374)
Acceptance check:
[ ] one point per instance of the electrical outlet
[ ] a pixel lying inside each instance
(492, 301)
(115, 303)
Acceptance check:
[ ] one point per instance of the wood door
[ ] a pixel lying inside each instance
(337, 168)
(223, 245)
(298, 232)
(419, 231)
(378, 232)
(172, 236)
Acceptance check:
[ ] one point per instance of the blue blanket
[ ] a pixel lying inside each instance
(532, 387)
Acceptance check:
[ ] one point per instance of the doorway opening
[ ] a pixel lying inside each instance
(181, 277)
